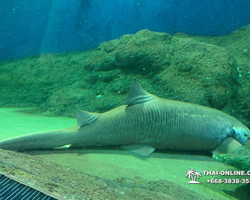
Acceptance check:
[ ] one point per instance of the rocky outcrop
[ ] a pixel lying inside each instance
(173, 67)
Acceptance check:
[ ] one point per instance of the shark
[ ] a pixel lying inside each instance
(144, 123)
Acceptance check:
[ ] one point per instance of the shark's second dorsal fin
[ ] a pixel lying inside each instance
(137, 95)
(85, 118)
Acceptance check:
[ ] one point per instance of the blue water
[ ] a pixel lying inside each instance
(32, 27)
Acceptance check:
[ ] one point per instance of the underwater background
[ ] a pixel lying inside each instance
(45, 26)
(61, 56)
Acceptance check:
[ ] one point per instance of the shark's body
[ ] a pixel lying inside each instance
(145, 123)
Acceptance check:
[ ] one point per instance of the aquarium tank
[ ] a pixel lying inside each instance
(135, 99)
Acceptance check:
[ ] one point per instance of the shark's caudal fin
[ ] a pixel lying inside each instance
(41, 140)
(137, 95)
(85, 118)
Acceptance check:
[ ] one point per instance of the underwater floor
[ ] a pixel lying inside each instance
(113, 164)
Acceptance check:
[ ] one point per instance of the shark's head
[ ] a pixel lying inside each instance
(241, 133)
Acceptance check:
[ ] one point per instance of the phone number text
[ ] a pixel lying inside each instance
(228, 181)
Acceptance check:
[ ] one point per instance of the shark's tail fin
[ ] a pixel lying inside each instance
(41, 140)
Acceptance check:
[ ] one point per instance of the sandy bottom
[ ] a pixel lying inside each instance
(113, 164)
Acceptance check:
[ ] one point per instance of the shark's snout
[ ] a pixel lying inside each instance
(241, 134)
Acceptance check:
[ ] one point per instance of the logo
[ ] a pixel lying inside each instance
(193, 175)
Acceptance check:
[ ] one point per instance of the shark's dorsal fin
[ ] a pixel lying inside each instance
(85, 118)
(137, 95)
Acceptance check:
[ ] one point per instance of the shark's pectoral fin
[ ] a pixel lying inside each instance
(137, 95)
(85, 118)
(140, 149)
(227, 146)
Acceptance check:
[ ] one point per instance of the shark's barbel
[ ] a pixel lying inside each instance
(145, 123)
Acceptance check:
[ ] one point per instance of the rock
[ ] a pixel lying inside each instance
(175, 67)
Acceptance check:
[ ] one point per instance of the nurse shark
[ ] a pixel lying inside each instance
(145, 123)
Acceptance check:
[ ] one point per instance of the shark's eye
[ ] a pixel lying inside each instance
(245, 134)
